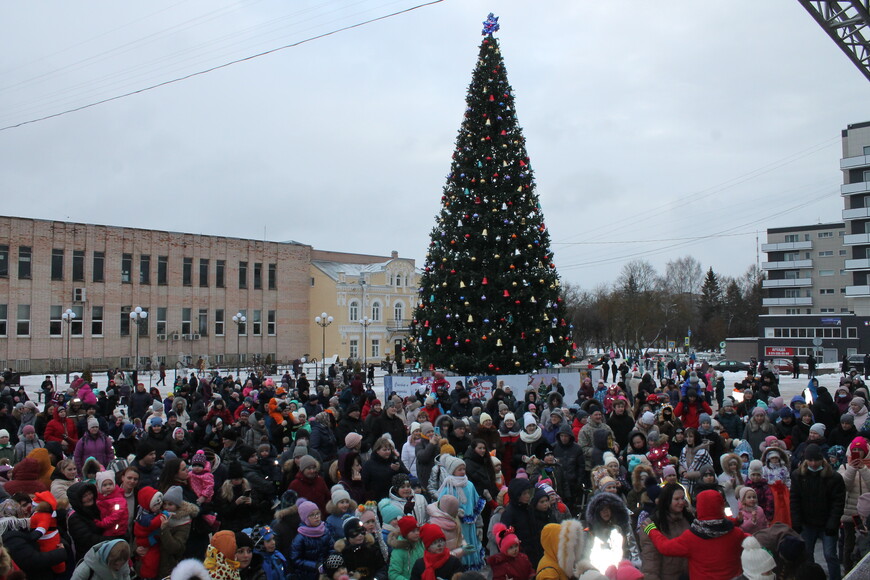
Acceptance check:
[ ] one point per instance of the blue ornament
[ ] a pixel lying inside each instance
(490, 25)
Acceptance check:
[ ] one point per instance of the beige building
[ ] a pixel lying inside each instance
(352, 288)
(190, 285)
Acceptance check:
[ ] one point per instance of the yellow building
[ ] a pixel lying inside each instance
(371, 300)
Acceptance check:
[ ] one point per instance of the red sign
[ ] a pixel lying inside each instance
(775, 351)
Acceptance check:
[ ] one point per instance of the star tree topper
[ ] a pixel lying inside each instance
(490, 25)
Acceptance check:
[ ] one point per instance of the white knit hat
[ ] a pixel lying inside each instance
(528, 419)
(648, 418)
(510, 417)
(415, 426)
(450, 463)
(609, 458)
(755, 559)
(339, 493)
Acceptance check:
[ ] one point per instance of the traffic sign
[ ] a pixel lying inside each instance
(722, 344)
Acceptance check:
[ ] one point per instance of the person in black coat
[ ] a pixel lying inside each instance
(323, 437)
(570, 457)
(620, 422)
(82, 522)
(518, 513)
(349, 423)
(480, 470)
(389, 422)
(24, 550)
(378, 471)
(140, 403)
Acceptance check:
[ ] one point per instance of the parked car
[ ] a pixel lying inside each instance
(781, 366)
(732, 366)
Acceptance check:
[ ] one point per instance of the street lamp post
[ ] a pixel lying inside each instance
(68, 317)
(322, 321)
(365, 322)
(239, 319)
(138, 316)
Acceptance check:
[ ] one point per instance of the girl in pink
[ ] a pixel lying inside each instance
(201, 479)
(112, 505)
(751, 514)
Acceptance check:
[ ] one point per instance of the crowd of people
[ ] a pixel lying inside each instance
(273, 478)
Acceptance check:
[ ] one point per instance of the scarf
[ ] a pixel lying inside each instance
(458, 484)
(709, 529)
(310, 532)
(531, 437)
(219, 566)
(433, 562)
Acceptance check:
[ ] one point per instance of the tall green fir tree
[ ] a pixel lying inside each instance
(490, 294)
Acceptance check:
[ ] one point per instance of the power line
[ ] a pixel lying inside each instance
(224, 65)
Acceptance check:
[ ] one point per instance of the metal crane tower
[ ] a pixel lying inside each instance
(848, 24)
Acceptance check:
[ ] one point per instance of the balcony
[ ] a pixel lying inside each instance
(395, 325)
(856, 240)
(787, 283)
(858, 161)
(854, 214)
(857, 291)
(861, 264)
(802, 301)
(787, 265)
(787, 246)
(857, 187)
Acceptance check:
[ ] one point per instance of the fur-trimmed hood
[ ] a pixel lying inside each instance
(191, 569)
(726, 457)
(333, 511)
(397, 542)
(774, 450)
(286, 512)
(564, 545)
(640, 474)
(618, 510)
(341, 544)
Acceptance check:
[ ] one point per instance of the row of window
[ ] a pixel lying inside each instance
(791, 238)
(821, 332)
(97, 320)
(353, 347)
(98, 266)
(828, 253)
(353, 311)
(810, 311)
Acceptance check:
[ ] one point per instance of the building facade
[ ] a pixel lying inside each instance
(190, 285)
(855, 191)
(371, 299)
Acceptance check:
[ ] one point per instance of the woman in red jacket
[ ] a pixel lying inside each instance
(690, 408)
(712, 544)
(62, 430)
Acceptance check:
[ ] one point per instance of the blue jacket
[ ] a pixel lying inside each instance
(308, 554)
(274, 565)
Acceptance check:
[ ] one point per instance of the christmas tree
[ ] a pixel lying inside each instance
(489, 296)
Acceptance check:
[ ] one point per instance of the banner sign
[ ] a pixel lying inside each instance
(782, 351)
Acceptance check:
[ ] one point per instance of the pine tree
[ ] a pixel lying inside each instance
(490, 295)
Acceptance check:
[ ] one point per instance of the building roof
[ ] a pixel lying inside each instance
(811, 227)
(333, 269)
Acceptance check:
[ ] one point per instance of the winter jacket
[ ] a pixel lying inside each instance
(481, 473)
(365, 559)
(99, 447)
(731, 424)
(621, 425)
(562, 545)
(599, 530)
(314, 490)
(308, 553)
(450, 567)
(857, 482)
(323, 440)
(715, 558)
(765, 496)
(377, 476)
(656, 566)
(25, 552)
(586, 440)
(817, 498)
(426, 452)
(24, 447)
(690, 414)
(519, 516)
(403, 557)
(173, 538)
(94, 565)
(82, 521)
(61, 429)
(140, 403)
(384, 424)
(508, 568)
(570, 457)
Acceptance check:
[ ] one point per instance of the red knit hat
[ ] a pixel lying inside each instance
(429, 533)
(861, 444)
(504, 537)
(407, 525)
(710, 505)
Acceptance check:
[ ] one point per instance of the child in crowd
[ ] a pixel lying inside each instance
(751, 516)
(312, 544)
(112, 505)
(274, 562)
(406, 548)
(360, 551)
(390, 516)
(200, 479)
(509, 563)
(334, 569)
(762, 489)
(775, 465)
(146, 531)
(339, 506)
(731, 479)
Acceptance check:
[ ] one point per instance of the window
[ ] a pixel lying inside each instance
(791, 238)
(203, 321)
(203, 274)
(273, 276)
(78, 266)
(187, 272)
(24, 263)
(243, 326)
(258, 276)
(4, 319)
(99, 265)
(219, 322)
(792, 310)
(792, 293)
(23, 324)
(161, 320)
(125, 320)
(55, 322)
(866, 150)
(353, 311)
(57, 264)
(162, 270)
(144, 269)
(790, 256)
(186, 324)
(271, 323)
(376, 347)
(842, 290)
(398, 311)
(219, 269)
(842, 252)
(865, 175)
(257, 319)
(353, 345)
(826, 234)
(851, 332)
(142, 325)
(398, 279)
(77, 326)
(376, 311)
(827, 310)
(824, 291)
(243, 275)
(97, 321)
(826, 272)
(826, 253)
(126, 268)
(4, 261)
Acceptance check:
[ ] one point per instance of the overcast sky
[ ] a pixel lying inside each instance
(647, 123)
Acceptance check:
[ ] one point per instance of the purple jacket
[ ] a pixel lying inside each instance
(100, 448)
